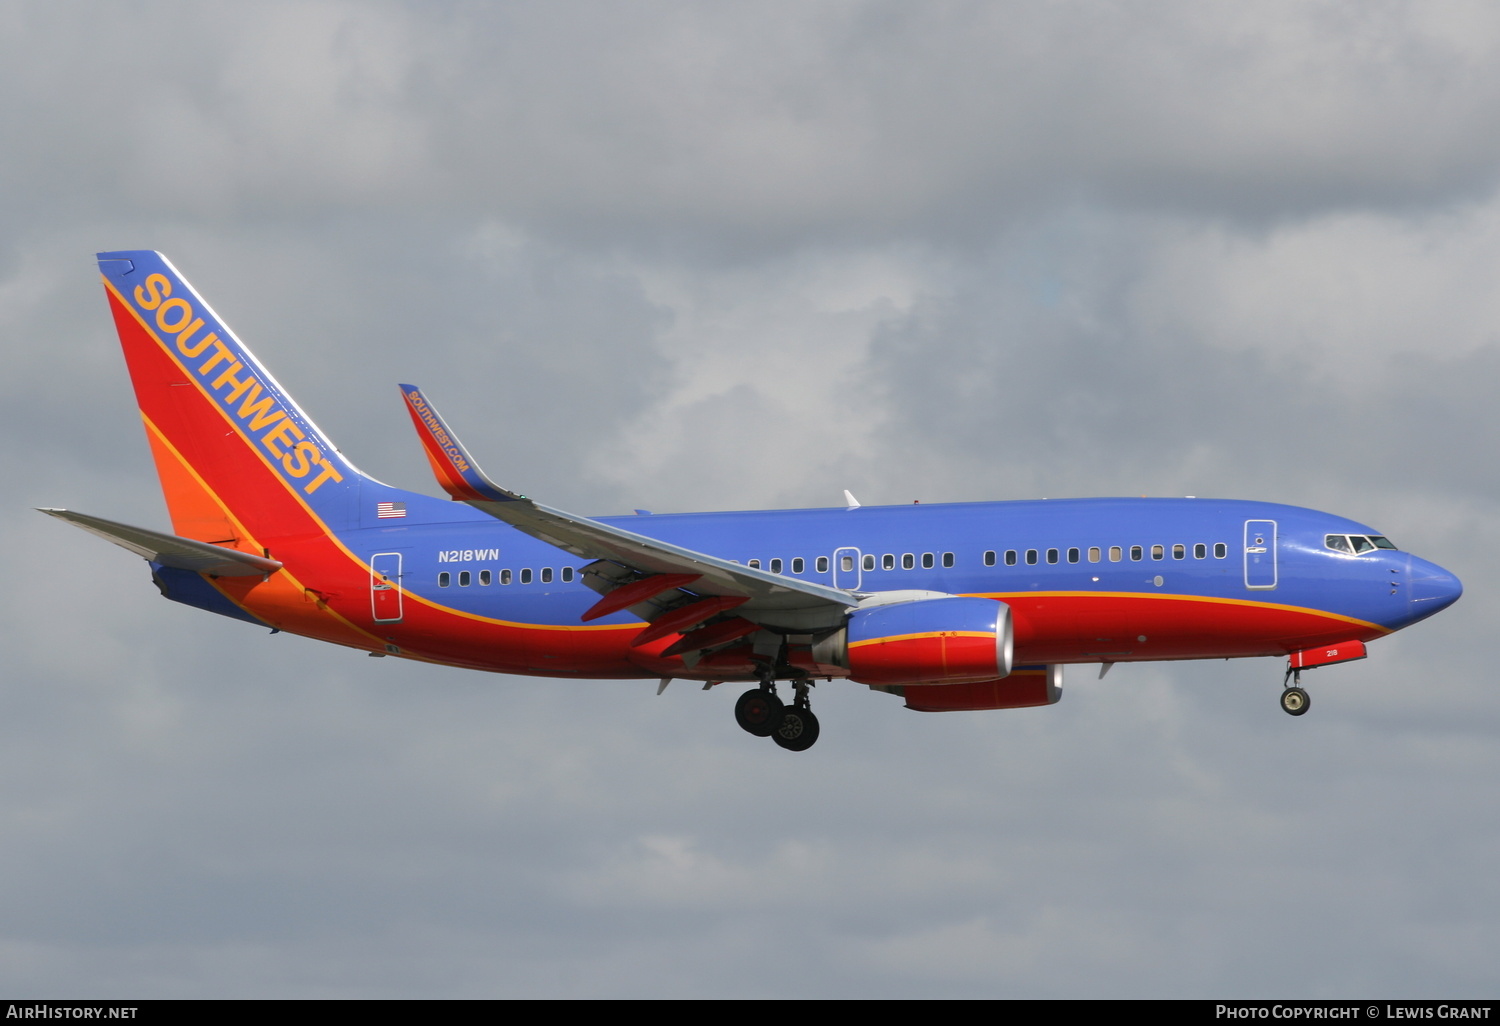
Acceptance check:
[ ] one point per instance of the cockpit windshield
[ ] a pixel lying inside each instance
(1356, 544)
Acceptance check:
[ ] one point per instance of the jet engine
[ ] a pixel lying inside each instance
(931, 641)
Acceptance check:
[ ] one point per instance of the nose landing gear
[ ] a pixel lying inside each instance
(1294, 700)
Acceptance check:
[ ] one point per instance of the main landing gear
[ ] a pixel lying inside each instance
(760, 712)
(1293, 699)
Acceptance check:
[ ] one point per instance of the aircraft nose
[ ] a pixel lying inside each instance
(1430, 588)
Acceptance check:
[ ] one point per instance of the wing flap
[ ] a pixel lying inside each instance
(170, 550)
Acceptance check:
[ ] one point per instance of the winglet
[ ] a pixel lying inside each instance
(451, 463)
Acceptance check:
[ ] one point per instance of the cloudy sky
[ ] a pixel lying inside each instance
(742, 255)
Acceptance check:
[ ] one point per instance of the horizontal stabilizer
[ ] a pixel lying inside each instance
(170, 550)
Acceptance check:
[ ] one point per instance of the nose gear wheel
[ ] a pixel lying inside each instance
(1295, 701)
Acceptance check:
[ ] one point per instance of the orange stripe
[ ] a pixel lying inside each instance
(922, 636)
(245, 533)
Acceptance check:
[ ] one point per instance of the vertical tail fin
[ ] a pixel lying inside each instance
(238, 459)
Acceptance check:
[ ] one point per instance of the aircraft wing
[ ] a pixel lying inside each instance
(765, 597)
(170, 550)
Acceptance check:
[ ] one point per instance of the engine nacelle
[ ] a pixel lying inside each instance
(1026, 686)
(933, 641)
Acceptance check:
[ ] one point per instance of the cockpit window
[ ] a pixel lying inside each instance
(1355, 544)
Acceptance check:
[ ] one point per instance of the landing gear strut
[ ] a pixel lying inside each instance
(1294, 700)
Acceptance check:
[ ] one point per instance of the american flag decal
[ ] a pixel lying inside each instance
(386, 510)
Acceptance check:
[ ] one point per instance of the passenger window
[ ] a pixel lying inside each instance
(1115, 553)
(526, 576)
(1031, 557)
(1338, 543)
(753, 564)
(928, 561)
(504, 576)
(567, 574)
(1135, 552)
(823, 564)
(775, 566)
(947, 559)
(908, 561)
(1052, 555)
(1010, 557)
(1220, 550)
(1157, 552)
(546, 575)
(846, 564)
(484, 578)
(1179, 552)
(989, 557)
(798, 565)
(869, 562)
(887, 562)
(1200, 551)
(1094, 553)
(1072, 555)
(444, 579)
(464, 578)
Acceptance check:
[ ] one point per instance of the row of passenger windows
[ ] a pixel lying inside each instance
(1116, 554)
(929, 560)
(846, 563)
(486, 577)
(888, 561)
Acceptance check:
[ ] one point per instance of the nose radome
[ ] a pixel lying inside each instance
(1431, 588)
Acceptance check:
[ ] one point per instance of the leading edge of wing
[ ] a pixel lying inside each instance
(461, 478)
(170, 550)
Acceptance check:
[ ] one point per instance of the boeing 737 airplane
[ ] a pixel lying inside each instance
(949, 606)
